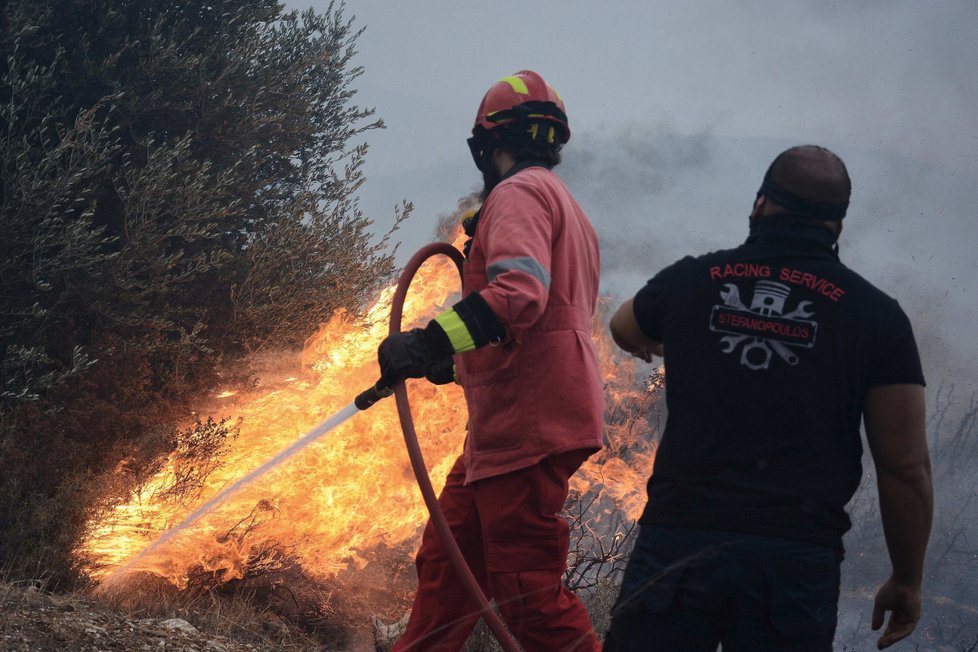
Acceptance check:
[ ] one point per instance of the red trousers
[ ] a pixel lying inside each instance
(511, 533)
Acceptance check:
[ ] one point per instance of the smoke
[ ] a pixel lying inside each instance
(655, 196)
(448, 223)
(639, 187)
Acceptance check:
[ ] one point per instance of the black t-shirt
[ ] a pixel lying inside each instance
(770, 349)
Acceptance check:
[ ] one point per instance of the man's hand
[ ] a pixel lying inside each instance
(627, 334)
(904, 604)
(441, 372)
(648, 353)
(403, 355)
(412, 354)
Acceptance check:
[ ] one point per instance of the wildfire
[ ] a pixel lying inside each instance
(354, 490)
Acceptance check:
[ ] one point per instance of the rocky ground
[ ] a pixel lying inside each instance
(35, 620)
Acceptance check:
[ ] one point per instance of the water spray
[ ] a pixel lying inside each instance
(214, 502)
(362, 402)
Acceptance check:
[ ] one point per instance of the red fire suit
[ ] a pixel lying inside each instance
(535, 405)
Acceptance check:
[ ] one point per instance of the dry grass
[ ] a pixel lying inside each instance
(33, 618)
(236, 616)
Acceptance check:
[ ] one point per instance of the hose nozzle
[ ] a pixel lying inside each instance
(370, 396)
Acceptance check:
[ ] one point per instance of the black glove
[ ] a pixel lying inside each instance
(441, 372)
(413, 354)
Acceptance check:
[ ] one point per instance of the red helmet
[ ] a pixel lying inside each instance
(524, 95)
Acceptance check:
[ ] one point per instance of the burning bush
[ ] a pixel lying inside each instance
(346, 512)
(176, 189)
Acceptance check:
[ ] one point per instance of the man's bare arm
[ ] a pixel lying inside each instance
(627, 334)
(894, 417)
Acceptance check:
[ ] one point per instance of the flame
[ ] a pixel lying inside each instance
(354, 490)
(621, 468)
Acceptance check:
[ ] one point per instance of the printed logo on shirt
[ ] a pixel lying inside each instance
(764, 329)
(822, 286)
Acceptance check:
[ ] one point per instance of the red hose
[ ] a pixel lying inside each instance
(417, 460)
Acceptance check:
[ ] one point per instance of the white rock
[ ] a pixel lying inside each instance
(179, 625)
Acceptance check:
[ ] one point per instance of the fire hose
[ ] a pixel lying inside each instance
(375, 393)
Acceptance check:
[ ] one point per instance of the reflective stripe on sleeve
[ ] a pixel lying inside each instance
(455, 328)
(525, 264)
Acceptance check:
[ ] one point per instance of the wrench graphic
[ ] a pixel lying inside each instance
(800, 312)
(730, 342)
(731, 297)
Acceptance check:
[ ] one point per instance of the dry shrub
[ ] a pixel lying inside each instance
(239, 613)
(152, 234)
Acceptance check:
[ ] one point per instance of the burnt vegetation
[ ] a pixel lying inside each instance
(177, 191)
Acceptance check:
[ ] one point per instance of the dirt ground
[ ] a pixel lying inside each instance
(32, 619)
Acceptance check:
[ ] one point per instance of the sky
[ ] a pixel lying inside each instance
(677, 107)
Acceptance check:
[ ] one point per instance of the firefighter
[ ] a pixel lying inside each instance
(520, 343)
(774, 351)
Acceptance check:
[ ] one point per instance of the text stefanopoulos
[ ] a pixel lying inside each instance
(761, 325)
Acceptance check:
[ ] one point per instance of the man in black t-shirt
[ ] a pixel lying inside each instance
(774, 351)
